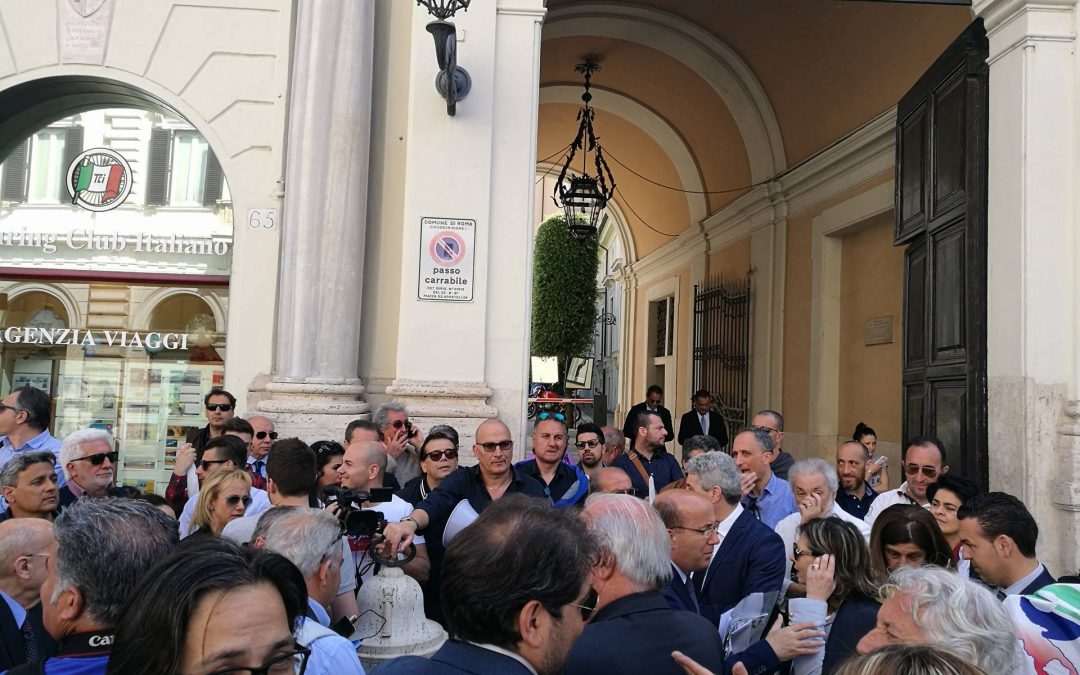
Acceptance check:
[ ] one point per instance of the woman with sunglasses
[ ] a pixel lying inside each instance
(906, 536)
(330, 455)
(225, 496)
(438, 459)
(213, 606)
(947, 495)
(830, 557)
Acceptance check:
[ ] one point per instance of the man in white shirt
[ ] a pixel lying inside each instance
(814, 483)
(362, 469)
(924, 461)
(223, 452)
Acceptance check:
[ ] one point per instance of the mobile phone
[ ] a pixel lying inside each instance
(881, 460)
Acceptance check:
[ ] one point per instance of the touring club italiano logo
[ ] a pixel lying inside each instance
(99, 180)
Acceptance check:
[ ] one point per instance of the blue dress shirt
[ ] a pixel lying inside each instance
(774, 503)
(40, 443)
(17, 610)
(330, 654)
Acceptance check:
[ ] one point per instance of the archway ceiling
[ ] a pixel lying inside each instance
(827, 67)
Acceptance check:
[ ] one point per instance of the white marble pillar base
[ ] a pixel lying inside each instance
(462, 405)
(314, 410)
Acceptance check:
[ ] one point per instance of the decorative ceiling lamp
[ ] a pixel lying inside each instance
(583, 198)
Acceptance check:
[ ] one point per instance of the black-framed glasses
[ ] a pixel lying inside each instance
(99, 458)
(437, 455)
(4, 407)
(800, 552)
(581, 445)
(233, 500)
(397, 424)
(706, 531)
(505, 446)
(284, 664)
(915, 469)
(263, 434)
(768, 430)
(548, 415)
(223, 407)
(624, 491)
(207, 463)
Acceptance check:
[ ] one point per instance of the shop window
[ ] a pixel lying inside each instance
(183, 171)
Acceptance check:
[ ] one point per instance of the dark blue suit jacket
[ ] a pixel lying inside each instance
(1044, 579)
(751, 559)
(637, 633)
(678, 594)
(856, 617)
(455, 657)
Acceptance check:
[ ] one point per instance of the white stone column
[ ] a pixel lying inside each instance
(1032, 265)
(314, 390)
(463, 362)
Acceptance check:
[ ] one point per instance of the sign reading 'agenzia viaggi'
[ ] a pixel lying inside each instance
(34, 335)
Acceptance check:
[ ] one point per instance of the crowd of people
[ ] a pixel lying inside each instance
(733, 558)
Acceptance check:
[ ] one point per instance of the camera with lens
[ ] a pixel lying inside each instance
(356, 521)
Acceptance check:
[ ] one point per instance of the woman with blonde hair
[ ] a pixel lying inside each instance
(224, 497)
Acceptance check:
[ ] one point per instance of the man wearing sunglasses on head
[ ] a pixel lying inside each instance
(24, 418)
(89, 457)
(924, 461)
(220, 407)
(223, 452)
(479, 485)
(566, 485)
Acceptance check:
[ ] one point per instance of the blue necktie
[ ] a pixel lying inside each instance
(29, 641)
(258, 467)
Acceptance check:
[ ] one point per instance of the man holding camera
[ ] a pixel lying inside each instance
(361, 471)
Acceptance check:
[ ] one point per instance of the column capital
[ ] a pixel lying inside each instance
(1041, 20)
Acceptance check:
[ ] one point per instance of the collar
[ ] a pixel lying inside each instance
(478, 475)
(252, 459)
(678, 570)
(77, 490)
(635, 603)
(35, 443)
(505, 652)
(316, 612)
(18, 612)
(770, 487)
(86, 644)
(725, 525)
(1018, 587)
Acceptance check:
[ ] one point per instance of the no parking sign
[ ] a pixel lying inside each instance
(446, 259)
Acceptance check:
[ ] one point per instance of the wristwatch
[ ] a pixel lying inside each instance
(411, 520)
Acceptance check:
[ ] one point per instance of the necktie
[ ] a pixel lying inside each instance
(258, 465)
(693, 594)
(1001, 594)
(752, 507)
(29, 642)
(705, 425)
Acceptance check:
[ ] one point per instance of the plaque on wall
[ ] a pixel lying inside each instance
(878, 331)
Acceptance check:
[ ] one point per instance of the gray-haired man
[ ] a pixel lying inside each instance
(401, 438)
(89, 458)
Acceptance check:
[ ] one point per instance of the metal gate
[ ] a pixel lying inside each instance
(722, 312)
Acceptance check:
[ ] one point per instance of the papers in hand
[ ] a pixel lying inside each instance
(745, 624)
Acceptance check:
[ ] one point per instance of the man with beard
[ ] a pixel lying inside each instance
(923, 461)
(589, 442)
(514, 583)
(855, 495)
(89, 459)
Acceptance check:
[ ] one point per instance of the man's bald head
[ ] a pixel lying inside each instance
(22, 537)
(370, 453)
(489, 427)
(610, 480)
(674, 505)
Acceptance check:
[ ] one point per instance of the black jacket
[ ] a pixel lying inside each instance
(629, 426)
(12, 646)
(690, 425)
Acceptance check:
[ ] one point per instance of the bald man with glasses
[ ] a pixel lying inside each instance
(479, 485)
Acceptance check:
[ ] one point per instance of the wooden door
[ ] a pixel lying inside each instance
(941, 159)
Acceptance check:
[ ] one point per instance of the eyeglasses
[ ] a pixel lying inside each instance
(505, 446)
(438, 455)
(397, 424)
(285, 664)
(263, 434)
(624, 491)
(207, 463)
(233, 500)
(800, 552)
(581, 445)
(586, 611)
(768, 430)
(914, 469)
(223, 407)
(703, 531)
(10, 407)
(99, 459)
(548, 415)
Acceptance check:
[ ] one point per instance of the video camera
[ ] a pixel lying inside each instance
(357, 521)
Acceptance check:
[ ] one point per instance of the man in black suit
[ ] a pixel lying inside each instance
(654, 399)
(513, 586)
(998, 535)
(702, 420)
(750, 557)
(633, 630)
(23, 543)
(692, 528)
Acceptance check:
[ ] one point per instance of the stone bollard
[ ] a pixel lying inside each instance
(392, 621)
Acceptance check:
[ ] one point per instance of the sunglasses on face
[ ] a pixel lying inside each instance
(263, 434)
(914, 469)
(505, 446)
(397, 424)
(207, 463)
(581, 445)
(99, 459)
(438, 455)
(223, 407)
(233, 500)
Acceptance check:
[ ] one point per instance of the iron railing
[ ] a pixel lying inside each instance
(722, 315)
